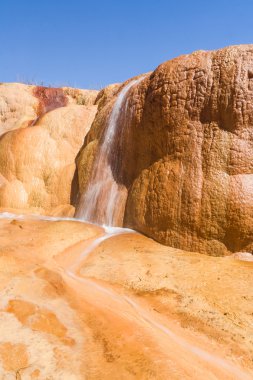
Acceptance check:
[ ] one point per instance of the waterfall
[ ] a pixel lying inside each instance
(104, 200)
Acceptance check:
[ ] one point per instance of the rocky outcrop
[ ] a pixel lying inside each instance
(42, 129)
(187, 156)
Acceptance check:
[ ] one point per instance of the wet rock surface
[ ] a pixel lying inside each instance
(78, 305)
(187, 156)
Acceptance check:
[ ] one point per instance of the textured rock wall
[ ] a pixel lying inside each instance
(187, 158)
(42, 129)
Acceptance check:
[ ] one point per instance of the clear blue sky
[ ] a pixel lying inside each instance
(90, 44)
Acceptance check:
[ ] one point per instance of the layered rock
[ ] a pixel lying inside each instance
(187, 156)
(42, 131)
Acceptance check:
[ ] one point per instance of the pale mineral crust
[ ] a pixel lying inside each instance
(42, 130)
(134, 309)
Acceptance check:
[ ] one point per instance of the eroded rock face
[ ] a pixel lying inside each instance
(42, 129)
(187, 158)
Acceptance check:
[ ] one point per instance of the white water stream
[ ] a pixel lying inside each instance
(104, 200)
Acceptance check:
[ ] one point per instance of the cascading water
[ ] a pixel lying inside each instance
(104, 200)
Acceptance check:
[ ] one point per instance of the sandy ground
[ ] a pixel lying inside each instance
(78, 302)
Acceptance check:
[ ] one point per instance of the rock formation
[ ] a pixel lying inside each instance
(42, 131)
(133, 310)
(82, 301)
(187, 156)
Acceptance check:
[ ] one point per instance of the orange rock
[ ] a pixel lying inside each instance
(130, 306)
(38, 319)
(38, 148)
(13, 356)
(35, 374)
(187, 155)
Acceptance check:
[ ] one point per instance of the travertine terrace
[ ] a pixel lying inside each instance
(126, 225)
(72, 309)
(42, 130)
(186, 157)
